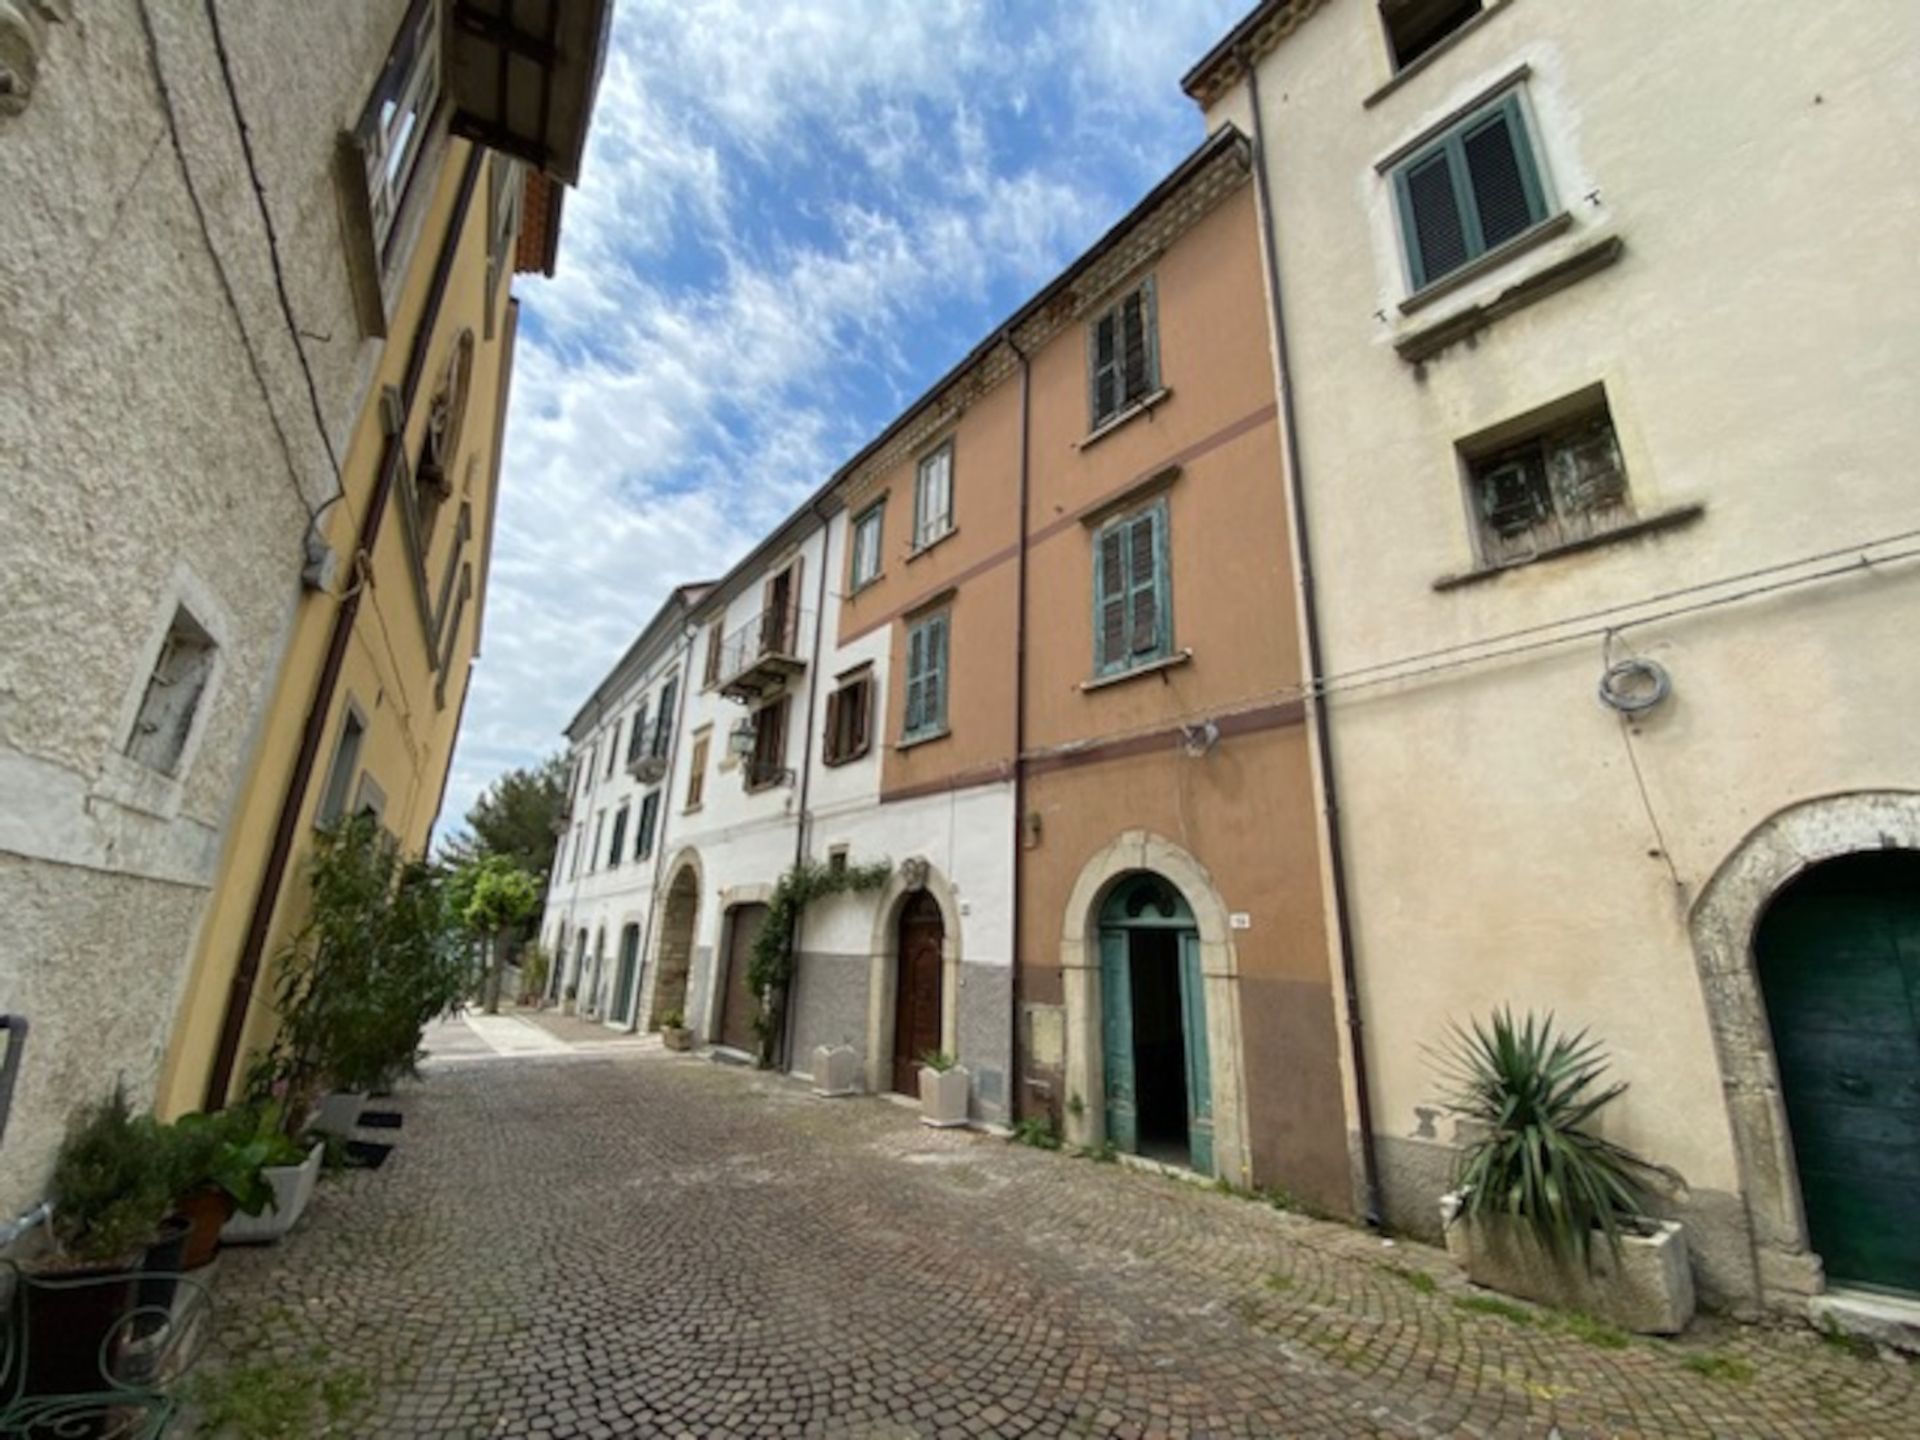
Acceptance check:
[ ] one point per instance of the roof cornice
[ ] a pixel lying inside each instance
(1222, 67)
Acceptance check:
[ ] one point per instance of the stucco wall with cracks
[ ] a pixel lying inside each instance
(158, 446)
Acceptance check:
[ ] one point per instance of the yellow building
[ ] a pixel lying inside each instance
(465, 144)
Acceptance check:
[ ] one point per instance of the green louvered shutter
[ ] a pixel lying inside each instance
(1103, 343)
(1193, 1024)
(1110, 600)
(1116, 1041)
(914, 720)
(934, 689)
(1143, 587)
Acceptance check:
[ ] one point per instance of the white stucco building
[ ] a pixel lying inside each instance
(1597, 333)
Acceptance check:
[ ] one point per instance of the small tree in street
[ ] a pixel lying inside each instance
(500, 897)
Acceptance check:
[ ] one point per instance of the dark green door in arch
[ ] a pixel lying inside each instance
(1157, 1086)
(629, 964)
(1839, 959)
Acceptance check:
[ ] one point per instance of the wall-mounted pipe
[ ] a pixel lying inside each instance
(1310, 625)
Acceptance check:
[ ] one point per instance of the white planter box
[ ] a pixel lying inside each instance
(338, 1112)
(835, 1071)
(292, 1189)
(943, 1097)
(1646, 1288)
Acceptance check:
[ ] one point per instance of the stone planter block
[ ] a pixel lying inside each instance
(943, 1097)
(339, 1112)
(835, 1071)
(292, 1189)
(1647, 1288)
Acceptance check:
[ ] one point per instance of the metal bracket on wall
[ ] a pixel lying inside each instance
(13, 1035)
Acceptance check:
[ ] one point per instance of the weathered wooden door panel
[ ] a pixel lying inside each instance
(739, 1007)
(917, 1017)
(1193, 1020)
(1116, 1040)
(1839, 958)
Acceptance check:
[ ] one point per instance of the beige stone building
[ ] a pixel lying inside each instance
(1597, 332)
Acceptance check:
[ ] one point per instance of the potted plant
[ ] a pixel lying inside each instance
(674, 1033)
(110, 1192)
(568, 997)
(944, 1085)
(1542, 1207)
(219, 1165)
(287, 1172)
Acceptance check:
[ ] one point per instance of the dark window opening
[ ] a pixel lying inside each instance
(172, 700)
(1415, 26)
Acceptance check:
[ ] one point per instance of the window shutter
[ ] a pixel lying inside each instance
(830, 748)
(861, 701)
(1143, 579)
(1501, 198)
(1106, 398)
(1436, 234)
(790, 623)
(663, 725)
(1110, 599)
(916, 679)
(933, 703)
(1133, 327)
(636, 740)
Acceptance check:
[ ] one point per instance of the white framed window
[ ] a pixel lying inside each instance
(933, 497)
(393, 128)
(868, 528)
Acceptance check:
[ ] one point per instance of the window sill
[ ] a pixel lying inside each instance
(866, 584)
(909, 742)
(938, 540)
(690, 809)
(1647, 525)
(1151, 667)
(1421, 345)
(1408, 72)
(834, 762)
(1143, 406)
(1454, 280)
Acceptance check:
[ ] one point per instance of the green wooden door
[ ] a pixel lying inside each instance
(1193, 1023)
(629, 963)
(1116, 1040)
(1839, 960)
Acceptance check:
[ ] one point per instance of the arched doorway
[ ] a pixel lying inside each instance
(918, 1018)
(678, 914)
(623, 987)
(1838, 956)
(739, 1007)
(1153, 1018)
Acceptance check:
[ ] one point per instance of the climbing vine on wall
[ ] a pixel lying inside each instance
(770, 964)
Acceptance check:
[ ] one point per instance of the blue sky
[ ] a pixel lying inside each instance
(793, 217)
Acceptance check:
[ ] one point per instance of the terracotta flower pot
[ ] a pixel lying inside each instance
(206, 1210)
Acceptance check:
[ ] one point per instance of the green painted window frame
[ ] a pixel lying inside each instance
(926, 669)
(1158, 583)
(1451, 145)
(619, 839)
(877, 514)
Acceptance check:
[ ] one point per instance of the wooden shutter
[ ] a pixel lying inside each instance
(1143, 585)
(1110, 599)
(913, 719)
(697, 775)
(713, 652)
(1430, 212)
(1133, 340)
(1492, 152)
(934, 692)
(663, 726)
(830, 749)
(1103, 363)
(860, 701)
(637, 740)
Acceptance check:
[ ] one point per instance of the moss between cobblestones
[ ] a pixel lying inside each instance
(1716, 1366)
(279, 1398)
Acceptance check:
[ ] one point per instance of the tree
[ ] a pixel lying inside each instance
(500, 897)
(516, 817)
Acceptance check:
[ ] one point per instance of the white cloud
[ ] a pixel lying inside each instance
(792, 217)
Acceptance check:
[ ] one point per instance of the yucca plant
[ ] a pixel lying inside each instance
(1534, 1091)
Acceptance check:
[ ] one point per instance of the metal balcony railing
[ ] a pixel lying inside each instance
(763, 654)
(647, 753)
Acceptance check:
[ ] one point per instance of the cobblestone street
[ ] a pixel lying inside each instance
(617, 1241)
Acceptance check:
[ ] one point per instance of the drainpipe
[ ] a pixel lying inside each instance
(803, 820)
(233, 1022)
(1015, 1087)
(1310, 624)
(660, 821)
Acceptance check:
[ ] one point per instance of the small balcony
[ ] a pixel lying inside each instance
(761, 656)
(647, 756)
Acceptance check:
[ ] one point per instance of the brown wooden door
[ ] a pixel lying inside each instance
(737, 1006)
(916, 1001)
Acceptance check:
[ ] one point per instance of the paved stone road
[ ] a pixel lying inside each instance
(623, 1242)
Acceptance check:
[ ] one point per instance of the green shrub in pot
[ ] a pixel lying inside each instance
(111, 1185)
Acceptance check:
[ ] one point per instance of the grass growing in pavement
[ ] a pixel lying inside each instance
(1488, 1305)
(1854, 1345)
(1277, 1281)
(279, 1399)
(1594, 1332)
(1418, 1279)
(1715, 1366)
